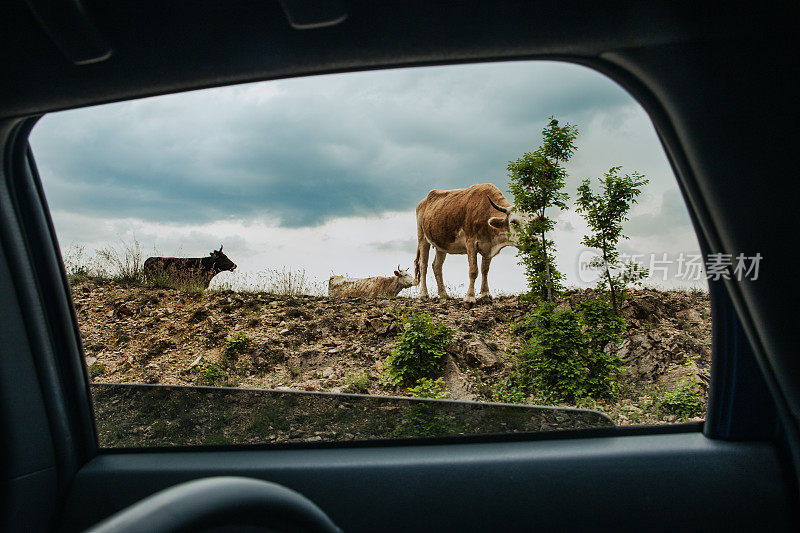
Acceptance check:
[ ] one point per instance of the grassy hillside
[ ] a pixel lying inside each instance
(136, 334)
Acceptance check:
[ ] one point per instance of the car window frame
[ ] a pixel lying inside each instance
(51, 280)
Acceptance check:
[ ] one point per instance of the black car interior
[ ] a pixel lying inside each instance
(715, 81)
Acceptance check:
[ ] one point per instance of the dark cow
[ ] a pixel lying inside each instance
(183, 270)
(471, 221)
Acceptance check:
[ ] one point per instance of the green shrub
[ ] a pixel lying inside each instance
(564, 358)
(428, 388)
(211, 376)
(508, 391)
(235, 345)
(685, 401)
(419, 350)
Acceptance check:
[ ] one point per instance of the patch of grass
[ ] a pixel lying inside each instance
(212, 375)
(188, 282)
(78, 266)
(96, 370)
(358, 383)
(691, 291)
(288, 282)
(230, 381)
(266, 419)
(123, 264)
(273, 282)
(216, 439)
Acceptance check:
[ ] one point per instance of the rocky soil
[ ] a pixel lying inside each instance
(135, 334)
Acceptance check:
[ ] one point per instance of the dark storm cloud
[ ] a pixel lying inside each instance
(308, 150)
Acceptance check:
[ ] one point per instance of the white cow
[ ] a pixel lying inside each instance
(387, 287)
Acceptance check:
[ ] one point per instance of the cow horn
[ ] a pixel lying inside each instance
(505, 210)
(220, 247)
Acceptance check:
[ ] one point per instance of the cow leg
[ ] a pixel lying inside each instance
(485, 262)
(438, 261)
(423, 249)
(472, 259)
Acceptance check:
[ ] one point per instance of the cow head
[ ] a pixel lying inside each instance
(221, 261)
(403, 277)
(511, 224)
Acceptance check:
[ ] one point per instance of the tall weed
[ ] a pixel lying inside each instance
(123, 263)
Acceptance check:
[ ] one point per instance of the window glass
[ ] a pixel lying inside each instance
(281, 237)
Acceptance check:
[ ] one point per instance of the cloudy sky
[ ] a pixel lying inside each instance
(323, 173)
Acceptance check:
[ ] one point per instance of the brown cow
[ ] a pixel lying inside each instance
(469, 221)
(387, 287)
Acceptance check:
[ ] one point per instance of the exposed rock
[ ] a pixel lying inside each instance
(384, 325)
(297, 313)
(158, 347)
(457, 387)
(477, 353)
(199, 315)
(122, 309)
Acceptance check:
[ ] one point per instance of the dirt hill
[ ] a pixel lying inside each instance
(135, 334)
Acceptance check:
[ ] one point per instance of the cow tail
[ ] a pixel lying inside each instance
(416, 268)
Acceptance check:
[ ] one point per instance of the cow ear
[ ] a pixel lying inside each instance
(396, 273)
(497, 222)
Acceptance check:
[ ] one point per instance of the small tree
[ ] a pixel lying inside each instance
(536, 180)
(605, 212)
